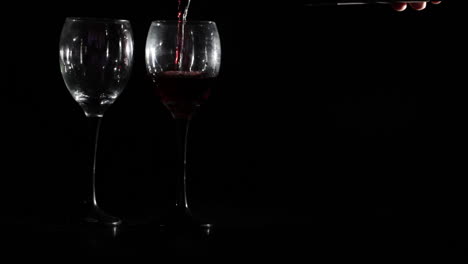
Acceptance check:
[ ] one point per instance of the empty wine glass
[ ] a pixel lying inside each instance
(183, 58)
(96, 57)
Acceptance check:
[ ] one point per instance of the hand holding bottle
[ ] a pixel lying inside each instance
(415, 6)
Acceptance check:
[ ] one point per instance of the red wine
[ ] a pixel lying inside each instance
(182, 92)
(182, 12)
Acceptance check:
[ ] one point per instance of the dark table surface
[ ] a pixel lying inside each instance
(380, 236)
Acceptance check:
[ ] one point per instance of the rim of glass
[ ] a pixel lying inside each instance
(189, 22)
(97, 19)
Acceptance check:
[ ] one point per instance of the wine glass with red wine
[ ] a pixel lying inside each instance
(183, 58)
(96, 57)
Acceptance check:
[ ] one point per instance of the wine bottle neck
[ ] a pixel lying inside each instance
(357, 2)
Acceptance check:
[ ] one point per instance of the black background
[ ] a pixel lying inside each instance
(343, 121)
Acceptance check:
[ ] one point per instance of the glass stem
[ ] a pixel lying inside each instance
(94, 127)
(182, 128)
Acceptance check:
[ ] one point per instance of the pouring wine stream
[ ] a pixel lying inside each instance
(182, 12)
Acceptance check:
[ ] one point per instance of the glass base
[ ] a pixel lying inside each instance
(195, 227)
(181, 220)
(94, 215)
